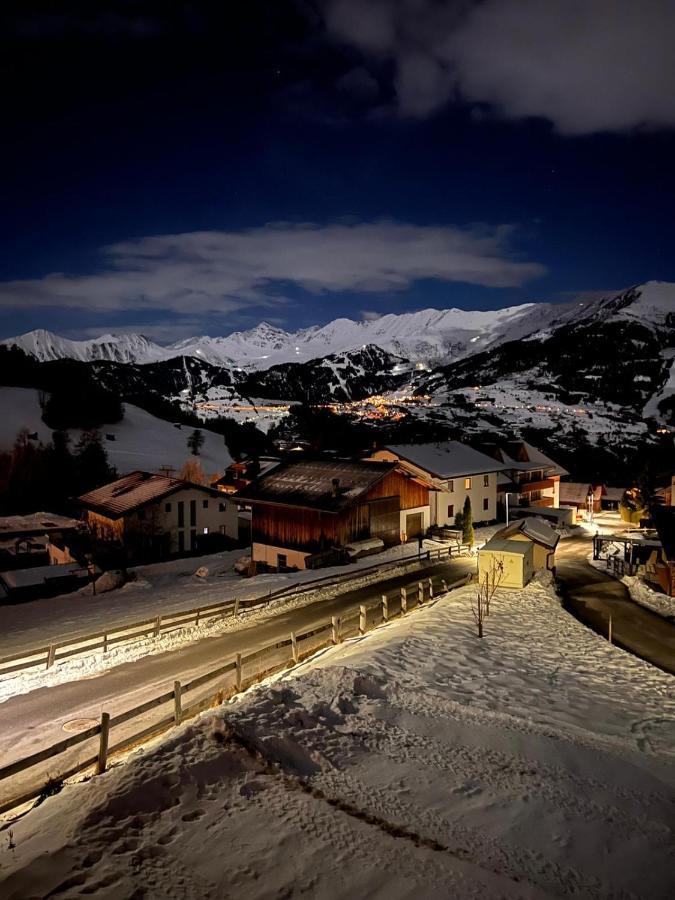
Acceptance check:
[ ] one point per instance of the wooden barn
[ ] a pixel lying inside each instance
(305, 508)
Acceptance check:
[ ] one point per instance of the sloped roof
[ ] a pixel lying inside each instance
(522, 548)
(535, 529)
(310, 484)
(524, 457)
(127, 494)
(34, 523)
(575, 492)
(612, 493)
(450, 459)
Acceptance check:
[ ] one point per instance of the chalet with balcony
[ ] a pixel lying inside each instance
(302, 510)
(154, 516)
(529, 477)
(457, 471)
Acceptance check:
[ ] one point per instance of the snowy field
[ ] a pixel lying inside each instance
(142, 441)
(416, 762)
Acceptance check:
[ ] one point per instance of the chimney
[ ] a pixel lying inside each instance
(336, 487)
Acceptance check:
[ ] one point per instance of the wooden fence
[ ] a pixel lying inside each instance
(35, 775)
(47, 655)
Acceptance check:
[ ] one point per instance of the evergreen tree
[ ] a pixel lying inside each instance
(467, 523)
(195, 442)
(91, 463)
(26, 477)
(59, 472)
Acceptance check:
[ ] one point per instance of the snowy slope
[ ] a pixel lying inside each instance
(142, 441)
(416, 762)
(125, 348)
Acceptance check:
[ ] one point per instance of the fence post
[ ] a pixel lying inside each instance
(420, 593)
(236, 606)
(177, 703)
(335, 623)
(237, 669)
(103, 744)
(197, 618)
(385, 608)
(105, 643)
(294, 646)
(404, 601)
(431, 588)
(158, 626)
(445, 585)
(362, 620)
(609, 630)
(51, 653)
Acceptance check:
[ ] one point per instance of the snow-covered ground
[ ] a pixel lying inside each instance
(416, 762)
(141, 440)
(640, 591)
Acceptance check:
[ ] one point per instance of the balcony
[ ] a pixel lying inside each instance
(526, 487)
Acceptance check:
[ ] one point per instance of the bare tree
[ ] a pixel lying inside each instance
(485, 591)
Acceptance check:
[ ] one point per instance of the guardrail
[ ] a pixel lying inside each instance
(58, 650)
(93, 744)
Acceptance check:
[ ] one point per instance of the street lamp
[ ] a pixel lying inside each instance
(508, 494)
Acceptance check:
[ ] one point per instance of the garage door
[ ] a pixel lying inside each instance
(413, 525)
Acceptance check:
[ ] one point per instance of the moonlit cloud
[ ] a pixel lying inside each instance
(220, 272)
(604, 65)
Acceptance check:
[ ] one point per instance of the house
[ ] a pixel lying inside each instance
(307, 507)
(529, 477)
(240, 474)
(558, 516)
(584, 498)
(543, 538)
(515, 559)
(663, 565)
(611, 497)
(155, 515)
(457, 471)
(26, 540)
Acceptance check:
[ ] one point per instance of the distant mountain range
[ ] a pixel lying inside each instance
(600, 371)
(433, 336)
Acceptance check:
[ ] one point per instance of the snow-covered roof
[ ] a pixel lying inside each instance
(34, 523)
(575, 492)
(535, 529)
(450, 459)
(522, 548)
(521, 456)
(316, 484)
(124, 496)
(613, 493)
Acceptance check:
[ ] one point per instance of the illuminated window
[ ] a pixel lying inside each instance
(467, 484)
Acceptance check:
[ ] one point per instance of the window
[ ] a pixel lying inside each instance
(451, 487)
(205, 504)
(467, 484)
(486, 503)
(193, 512)
(282, 560)
(222, 507)
(181, 541)
(222, 529)
(206, 530)
(167, 507)
(181, 514)
(451, 511)
(193, 538)
(486, 481)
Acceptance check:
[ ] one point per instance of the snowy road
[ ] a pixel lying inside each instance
(32, 721)
(593, 596)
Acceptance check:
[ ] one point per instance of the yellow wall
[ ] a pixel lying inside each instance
(540, 555)
(517, 568)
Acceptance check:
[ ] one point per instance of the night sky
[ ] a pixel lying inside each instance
(186, 168)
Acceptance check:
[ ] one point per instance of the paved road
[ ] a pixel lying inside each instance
(593, 596)
(32, 721)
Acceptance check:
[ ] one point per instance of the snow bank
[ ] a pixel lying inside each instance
(415, 762)
(640, 591)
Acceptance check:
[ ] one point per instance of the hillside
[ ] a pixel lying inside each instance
(139, 441)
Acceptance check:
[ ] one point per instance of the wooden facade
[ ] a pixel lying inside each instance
(376, 513)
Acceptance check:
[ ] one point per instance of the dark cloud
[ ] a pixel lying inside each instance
(605, 65)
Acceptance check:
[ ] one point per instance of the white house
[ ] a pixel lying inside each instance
(457, 471)
(157, 514)
(527, 475)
